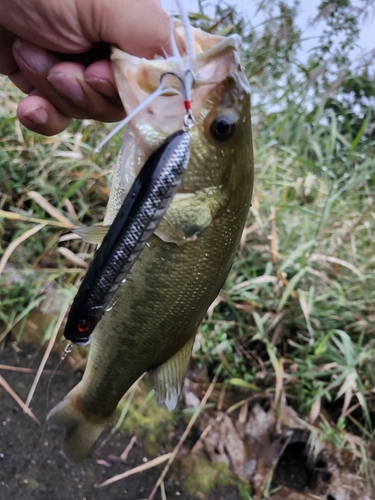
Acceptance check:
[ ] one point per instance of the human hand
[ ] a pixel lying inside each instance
(53, 51)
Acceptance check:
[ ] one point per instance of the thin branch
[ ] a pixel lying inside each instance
(185, 434)
(22, 370)
(8, 252)
(135, 470)
(14, 216)
(47, 353)
(17, 399)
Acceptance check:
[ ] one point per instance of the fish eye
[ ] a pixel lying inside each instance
(83, 325)
(223, 128)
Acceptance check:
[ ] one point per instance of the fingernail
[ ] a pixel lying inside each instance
(37, 115)
(35, 58)
(103, 86)
(66, 85)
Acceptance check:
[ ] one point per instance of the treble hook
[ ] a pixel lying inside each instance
(188, 117)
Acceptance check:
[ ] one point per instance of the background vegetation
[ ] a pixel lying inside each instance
(296, 316)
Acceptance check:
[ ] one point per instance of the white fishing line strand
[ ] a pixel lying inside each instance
(159, 91)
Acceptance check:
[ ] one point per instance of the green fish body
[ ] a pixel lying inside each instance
(157, 311)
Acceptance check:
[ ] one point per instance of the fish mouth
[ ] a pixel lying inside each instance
(147, 74)
(217, 57)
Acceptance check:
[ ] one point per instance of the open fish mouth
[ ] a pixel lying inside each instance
(216, 58)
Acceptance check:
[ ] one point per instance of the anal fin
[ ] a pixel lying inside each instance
(168, 378)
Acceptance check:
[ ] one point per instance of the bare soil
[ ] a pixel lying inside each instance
(32, 465)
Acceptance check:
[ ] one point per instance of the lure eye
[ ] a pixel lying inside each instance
(83, 325)
(223, 128)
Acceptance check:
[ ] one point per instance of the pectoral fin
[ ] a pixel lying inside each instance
(188, 215)
(92, 234)
(168, 378)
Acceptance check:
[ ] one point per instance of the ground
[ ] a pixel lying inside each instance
(32, 464)
(238, 449)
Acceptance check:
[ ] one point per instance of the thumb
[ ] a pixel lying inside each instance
(140, 27)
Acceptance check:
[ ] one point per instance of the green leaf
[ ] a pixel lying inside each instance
(302, 249)
(239, 382)
(291, 286)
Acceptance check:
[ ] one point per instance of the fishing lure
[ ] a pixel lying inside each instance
(143, 207)
(140, 214)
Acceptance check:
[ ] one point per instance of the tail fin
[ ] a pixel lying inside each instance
(81, 432)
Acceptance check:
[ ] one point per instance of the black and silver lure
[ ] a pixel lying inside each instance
(137, 219)
(143, 208)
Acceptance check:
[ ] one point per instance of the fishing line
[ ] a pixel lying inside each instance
(67, 350)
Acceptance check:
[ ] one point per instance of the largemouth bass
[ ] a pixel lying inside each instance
(159, 308)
